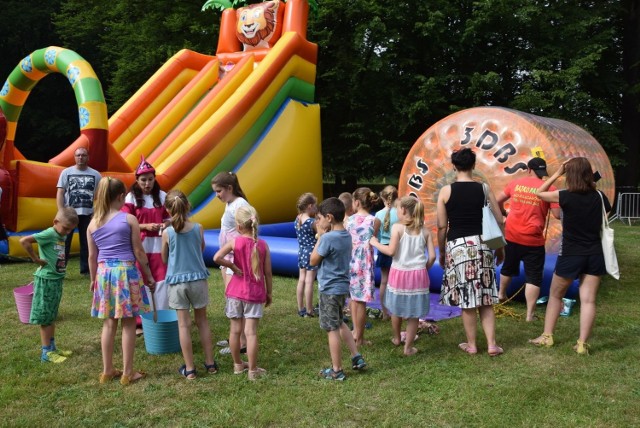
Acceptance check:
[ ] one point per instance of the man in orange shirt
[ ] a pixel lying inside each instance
(524, 232)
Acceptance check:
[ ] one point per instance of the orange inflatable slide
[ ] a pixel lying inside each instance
(248, 109)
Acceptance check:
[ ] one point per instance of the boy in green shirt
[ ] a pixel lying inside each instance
(47, 283)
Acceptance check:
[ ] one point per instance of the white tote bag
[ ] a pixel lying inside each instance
(609, 251)
(491, 232)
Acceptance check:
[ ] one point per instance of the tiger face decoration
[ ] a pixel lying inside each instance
(257, 24)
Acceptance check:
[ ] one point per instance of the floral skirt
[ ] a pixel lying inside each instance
(118, 291)
(469, 278)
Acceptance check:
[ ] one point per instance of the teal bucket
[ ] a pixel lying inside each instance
(161, 337)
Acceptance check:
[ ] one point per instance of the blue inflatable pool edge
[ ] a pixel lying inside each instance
(283, 245)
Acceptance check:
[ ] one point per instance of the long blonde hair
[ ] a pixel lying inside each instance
(178, 207)
(108, 190)
(415, 208)
(247, 219)
(389, 195)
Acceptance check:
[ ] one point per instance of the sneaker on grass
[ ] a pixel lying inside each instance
(331, 374)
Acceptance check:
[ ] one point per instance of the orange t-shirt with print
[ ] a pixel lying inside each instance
(527, 213)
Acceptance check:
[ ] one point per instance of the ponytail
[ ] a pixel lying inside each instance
(247, 219)
(107, 191)
(178, 207)
(389, 195)
(415, 208)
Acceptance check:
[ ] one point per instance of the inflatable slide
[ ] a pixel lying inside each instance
(248, 109)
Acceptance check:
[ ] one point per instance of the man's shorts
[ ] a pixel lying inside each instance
(575, 266)
(532, 257)
(331, 310)
(186, 294)
(47, 294)
(236, 308)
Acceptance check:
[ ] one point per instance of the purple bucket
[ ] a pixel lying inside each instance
(24, 297)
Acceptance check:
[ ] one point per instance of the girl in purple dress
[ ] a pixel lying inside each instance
(118, 287)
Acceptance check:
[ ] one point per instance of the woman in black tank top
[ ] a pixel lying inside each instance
(469, 279)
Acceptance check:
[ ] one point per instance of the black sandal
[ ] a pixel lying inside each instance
(186, 373)
(211, 368)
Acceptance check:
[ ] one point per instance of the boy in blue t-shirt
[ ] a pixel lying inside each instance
(333, 254)
(47, 282)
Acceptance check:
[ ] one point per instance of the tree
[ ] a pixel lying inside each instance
(50, 115)
(629, 174)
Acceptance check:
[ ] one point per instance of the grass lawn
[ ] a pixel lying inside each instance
(440, 386)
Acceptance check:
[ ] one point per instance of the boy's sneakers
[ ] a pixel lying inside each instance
(52, 357)
(55, 349)
(358, 363)
(330, 374)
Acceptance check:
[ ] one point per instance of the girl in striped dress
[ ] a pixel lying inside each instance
(407, 294)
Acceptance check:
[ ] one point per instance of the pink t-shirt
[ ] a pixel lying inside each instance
(247, 287)
(527, 213)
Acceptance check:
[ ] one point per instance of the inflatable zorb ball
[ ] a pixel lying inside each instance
(503, 140)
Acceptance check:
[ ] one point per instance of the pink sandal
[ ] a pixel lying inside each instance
(494, 351)
(472, 350)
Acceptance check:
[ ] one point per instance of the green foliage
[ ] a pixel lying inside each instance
(386, 71)
(440, 386)
(127, 41)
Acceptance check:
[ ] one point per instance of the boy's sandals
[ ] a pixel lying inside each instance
(544, 339)
(472, 350)
(358, 362)
(52, 357)
(211, 368)
(188, 374)
(582, 348)
(331, 374)
(127, 380)
(240, 368)
(106, 378)
(494, 351)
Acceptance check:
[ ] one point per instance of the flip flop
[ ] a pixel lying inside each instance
(106, 378)
(127, 380)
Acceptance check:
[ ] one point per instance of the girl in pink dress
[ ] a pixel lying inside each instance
(228, 190)
(145, 201)
(249, 289)
(361, 277)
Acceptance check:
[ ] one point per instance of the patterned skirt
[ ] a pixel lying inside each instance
(469, 278)
(118, 291)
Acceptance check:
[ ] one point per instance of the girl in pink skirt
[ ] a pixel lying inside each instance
(407, 294)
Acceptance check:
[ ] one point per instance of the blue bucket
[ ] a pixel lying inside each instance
(161, 337)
